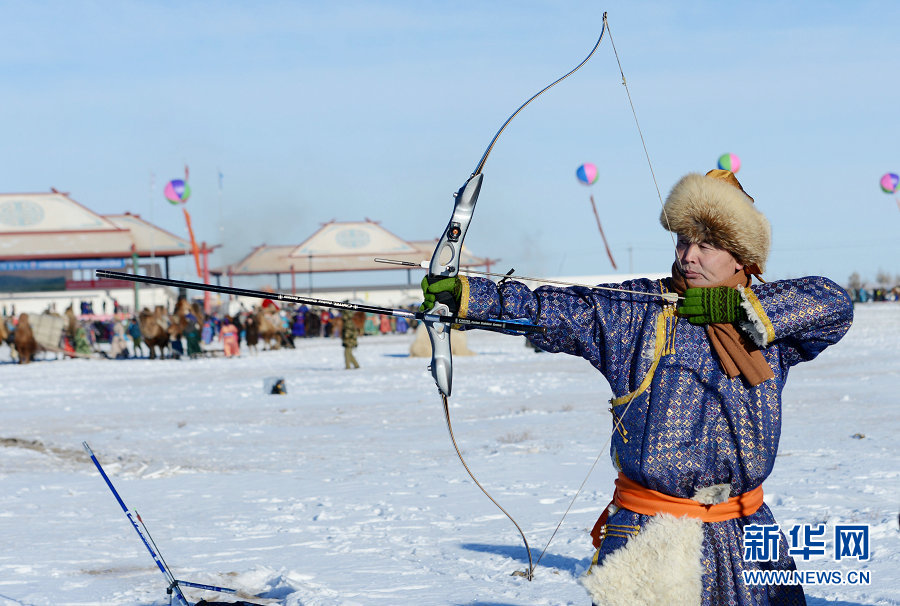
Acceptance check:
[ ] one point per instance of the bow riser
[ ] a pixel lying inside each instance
(448, 253)
(445, 263)
(441, 366)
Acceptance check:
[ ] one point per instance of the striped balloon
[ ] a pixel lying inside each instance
(730, 162)
(587, 173)
(177, 191)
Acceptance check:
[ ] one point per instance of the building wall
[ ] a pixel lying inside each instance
(59, 301)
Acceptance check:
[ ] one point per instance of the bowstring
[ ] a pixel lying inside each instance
(643, 141)
(616, 427)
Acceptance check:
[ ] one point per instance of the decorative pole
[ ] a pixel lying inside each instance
(206, 303)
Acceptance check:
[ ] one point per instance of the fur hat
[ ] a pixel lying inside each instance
(714, 208)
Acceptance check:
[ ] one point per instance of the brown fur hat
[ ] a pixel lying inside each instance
(714, 208)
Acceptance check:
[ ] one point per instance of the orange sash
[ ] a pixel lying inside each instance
(634, 497)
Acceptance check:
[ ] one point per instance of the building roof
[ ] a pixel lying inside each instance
(339, 246)
(149, 238)
(54, 226)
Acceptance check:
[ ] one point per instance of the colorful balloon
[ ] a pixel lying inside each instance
(177, 191)
(890, 182)
(730, 162)
(587, 173)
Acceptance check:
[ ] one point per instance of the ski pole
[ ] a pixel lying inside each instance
(160, 563)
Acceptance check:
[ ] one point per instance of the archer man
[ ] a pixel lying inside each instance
(697, 396)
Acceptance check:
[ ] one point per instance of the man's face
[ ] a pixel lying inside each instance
(704, 264)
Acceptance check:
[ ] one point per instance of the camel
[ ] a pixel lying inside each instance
(25, 343)
(182, 326)
(155, 330)
(178, 320)
(270, 331)
(7, 337)
(70, 330)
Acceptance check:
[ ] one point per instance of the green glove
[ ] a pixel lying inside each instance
(721, 304)
(441, 290)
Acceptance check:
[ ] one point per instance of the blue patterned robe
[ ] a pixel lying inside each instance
(687, 426)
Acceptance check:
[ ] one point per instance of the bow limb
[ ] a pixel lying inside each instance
(445, 262)
(529, 573)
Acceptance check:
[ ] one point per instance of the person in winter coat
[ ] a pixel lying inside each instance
(192, 334)
(82, 344)
(236, 320)
(298, 328)
(325, 318)
(251, 333)
(230, 338)
(349, 333)
(134, 331)
(313, 324)
(371, 325)
(208, 331)
(696, 405)
(118, 346)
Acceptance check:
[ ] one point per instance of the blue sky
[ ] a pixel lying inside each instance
(315, 111)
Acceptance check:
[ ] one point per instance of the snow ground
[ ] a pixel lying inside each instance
(347, 490)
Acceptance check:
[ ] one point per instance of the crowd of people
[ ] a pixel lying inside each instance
(189, 333)
(866, 295)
